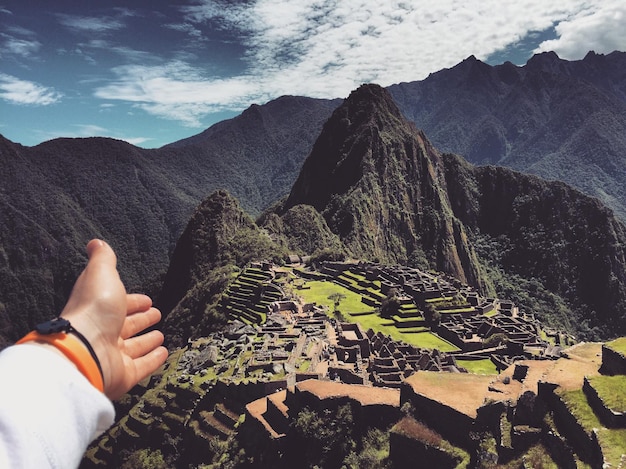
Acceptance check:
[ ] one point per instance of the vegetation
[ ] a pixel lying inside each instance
(479, 367)
(333, 439)
(336, 298)
(612, 391)
(619, 345)
(612, 441)
(390, 304)
(319, 291)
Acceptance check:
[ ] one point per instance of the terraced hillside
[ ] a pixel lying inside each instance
(249, 296)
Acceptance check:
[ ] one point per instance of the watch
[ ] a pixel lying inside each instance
(60, 333)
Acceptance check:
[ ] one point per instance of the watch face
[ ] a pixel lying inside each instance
(54, 326)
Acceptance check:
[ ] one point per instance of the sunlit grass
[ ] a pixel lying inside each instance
(479, 367)
(612, 390)
(612, 441)
(619, 345)
(418, 336)
(320, 291)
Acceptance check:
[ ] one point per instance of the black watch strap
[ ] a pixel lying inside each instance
(58, 325)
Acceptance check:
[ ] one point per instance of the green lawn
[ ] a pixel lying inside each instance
(479, 367)
(619, 345)
(612, 441)
(320, 290)
(612, 390)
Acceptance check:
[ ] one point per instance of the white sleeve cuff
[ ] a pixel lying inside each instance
(49, 412)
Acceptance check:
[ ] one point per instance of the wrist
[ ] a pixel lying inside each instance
(60, 334)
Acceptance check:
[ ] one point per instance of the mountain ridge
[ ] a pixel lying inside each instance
(498, 230)
(53, 216)
(551, 117)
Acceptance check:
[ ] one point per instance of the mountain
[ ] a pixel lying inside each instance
(219, 238)
(56, 196)
(390, 196)
(379, 184)
(560, 119)
(256, 156)
(555, 118)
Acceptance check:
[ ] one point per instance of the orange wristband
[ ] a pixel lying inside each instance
(74, 350)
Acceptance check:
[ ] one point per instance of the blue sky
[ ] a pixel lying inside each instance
(153, 71)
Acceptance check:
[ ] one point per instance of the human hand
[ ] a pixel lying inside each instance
(109, 318)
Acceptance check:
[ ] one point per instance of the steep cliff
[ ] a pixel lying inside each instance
(390, 196)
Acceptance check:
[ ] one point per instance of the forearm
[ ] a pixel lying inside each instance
(49, 412)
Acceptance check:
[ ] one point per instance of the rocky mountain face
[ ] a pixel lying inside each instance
(547, 237)
(256, 156)
(558, 119)
(219, 238)
(379, 184)
(390, 196)
(54, 198)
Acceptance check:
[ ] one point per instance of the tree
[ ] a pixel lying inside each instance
(336, 298)
(390, 304)
(431, 315)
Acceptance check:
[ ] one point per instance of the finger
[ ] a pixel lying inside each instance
(100, 253)
(137, 322)
(149, 363)
(136, 302)
(141, 345)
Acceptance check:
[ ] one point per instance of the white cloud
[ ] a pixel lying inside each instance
(137, 141)
(326, 48)
(90, 24)
(18, 91)
(601, 28)
(176, 91)
(187, 28)
(20, 47)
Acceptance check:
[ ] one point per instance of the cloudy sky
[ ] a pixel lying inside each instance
(154, 71)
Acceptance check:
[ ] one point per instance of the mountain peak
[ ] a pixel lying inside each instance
(546, 61)
(377, 181)
(339, 155)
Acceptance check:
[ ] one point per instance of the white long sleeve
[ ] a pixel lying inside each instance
(49, 412)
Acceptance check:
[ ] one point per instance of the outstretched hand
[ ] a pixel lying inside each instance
(110, 318)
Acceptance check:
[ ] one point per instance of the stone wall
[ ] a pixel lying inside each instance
(586, 444)
(453, 425)
(613, 363)
(608, 417)
(380, 415)
(407, 451)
